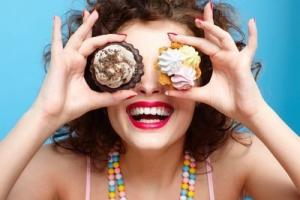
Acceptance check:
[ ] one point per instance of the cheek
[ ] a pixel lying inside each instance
(114, 118)
(186, 110)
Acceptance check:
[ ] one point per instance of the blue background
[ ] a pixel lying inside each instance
(26, 29)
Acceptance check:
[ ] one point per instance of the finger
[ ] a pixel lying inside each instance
(199, 94)
(91, 44)
(56, 44)
(252, 41)
(86, 15)
(79, 36)
(224, 37)
(99, 100)
(201, 44)
(208, 17)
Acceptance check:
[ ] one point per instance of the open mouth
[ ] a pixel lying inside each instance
(149, 115)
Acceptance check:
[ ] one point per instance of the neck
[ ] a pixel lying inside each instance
(159, 168)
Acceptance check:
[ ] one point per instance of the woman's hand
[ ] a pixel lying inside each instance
(232, 89)
(65, 94)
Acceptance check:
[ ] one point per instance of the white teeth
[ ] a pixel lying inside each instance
(147, 111)
(162, 111)
(153, 111)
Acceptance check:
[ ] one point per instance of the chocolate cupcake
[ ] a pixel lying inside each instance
(117, 66)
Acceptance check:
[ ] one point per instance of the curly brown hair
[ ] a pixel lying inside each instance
(92, 133)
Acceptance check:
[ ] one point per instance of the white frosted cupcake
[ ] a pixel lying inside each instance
(179, 66)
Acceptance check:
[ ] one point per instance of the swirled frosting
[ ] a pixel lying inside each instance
(170, 61)
(181, 65)
(190, 56)
(114, 66)
(183, 79)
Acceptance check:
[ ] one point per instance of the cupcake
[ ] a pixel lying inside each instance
(117, 66)
(179, 66)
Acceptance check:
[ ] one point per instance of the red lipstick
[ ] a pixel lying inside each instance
(149, 115)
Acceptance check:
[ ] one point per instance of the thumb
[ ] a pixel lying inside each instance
(105, 99)
(199, 94)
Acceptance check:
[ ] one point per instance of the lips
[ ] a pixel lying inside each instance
(149, 115)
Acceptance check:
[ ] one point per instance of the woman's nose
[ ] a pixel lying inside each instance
(149, 83)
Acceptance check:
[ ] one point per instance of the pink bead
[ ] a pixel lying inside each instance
(193, 164)
(187, 157)
(117, 170)
(123, 198)
(185, 180)
(111, 177)
(122, 194)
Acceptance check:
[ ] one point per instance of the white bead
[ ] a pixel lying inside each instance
(192, 182)
(183, 198)
(185, 174)
(111, 182)
(118, 176)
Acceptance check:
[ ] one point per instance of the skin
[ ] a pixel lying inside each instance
(265, 170)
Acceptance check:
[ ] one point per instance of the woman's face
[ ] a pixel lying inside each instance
(151, 120)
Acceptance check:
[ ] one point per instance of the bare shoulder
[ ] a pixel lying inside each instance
(47, 174)
(253, 168)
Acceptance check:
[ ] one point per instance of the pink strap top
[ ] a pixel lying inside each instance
(208, 175)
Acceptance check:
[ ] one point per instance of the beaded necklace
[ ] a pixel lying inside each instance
(116, 182)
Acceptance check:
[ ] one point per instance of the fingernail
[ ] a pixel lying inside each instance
(54, 18)
(83, 13)
(199, 21)
(172, 34)
(94, 10)
(131, 96)
(211, 5)
(254, 20)
(124, 34)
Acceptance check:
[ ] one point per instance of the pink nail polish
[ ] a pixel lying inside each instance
(211, 5)
(199, 21)
(124, 34)
(172, 34)
(130, 97)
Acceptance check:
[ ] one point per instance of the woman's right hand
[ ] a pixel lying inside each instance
(65, 95)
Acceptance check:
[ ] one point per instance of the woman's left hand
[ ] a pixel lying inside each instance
(232, 89)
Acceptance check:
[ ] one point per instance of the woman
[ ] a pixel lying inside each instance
(200, 121)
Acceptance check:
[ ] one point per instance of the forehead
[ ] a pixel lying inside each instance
(149, 36)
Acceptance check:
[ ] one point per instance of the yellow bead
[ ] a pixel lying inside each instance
(193, 170)
(191, 194)
(110, 171)
(121, 188)
(186, 162)
(185, 186)
(116, 164)
(112, 195)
